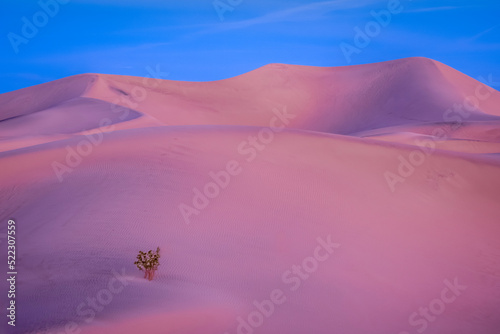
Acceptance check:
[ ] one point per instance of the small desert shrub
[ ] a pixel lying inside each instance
(148, 262)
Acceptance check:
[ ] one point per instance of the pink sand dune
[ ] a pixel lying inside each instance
(338, 223)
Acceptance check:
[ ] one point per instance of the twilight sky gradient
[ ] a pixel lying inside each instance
(188, 39)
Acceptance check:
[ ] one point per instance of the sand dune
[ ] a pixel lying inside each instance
(352, 173)
(342, 100)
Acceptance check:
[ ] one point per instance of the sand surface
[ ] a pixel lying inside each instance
(287, 200)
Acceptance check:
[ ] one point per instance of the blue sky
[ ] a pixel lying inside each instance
(188, 40)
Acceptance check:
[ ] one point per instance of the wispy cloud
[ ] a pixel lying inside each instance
(300, 13)
(121, 3)
(432, 9)
(481, 34)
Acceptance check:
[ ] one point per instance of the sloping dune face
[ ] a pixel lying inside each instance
(290, 199)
